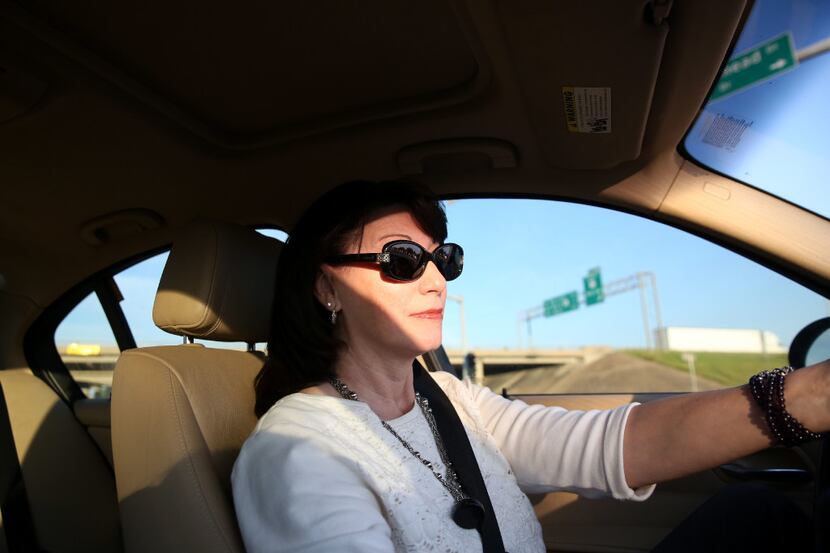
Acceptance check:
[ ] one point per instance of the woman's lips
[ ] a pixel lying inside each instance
(429, 314)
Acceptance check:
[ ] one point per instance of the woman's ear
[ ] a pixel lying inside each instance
(323, 289)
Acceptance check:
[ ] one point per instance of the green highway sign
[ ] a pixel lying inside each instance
(765, 61)
(561, 304)
(592, 284)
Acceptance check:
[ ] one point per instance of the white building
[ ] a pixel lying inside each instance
(732, 340)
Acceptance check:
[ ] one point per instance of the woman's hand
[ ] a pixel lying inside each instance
(681, 435)
(807, 395)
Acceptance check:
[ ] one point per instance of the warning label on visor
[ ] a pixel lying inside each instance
(587, 109)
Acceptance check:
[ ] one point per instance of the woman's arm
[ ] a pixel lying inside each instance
(681, 435)
(550, 448)
(292, 496)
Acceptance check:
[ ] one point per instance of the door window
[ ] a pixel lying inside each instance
(566, 298)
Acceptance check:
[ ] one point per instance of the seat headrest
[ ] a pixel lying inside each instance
(218, 283)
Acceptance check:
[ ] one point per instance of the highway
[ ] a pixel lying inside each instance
(614, 372)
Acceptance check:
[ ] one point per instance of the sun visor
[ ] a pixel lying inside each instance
(588, 72)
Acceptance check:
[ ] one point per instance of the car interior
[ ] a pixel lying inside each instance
(129, 129)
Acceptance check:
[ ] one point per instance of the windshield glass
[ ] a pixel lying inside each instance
(765, 122)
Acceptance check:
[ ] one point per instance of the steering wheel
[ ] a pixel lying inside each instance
(810, 345)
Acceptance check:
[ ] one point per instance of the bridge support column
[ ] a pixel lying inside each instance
(479, 372)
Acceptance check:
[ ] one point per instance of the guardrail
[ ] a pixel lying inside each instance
(527, 358)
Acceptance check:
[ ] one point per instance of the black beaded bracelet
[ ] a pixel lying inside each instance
(767, 388)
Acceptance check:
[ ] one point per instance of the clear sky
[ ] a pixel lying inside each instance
(522, 252)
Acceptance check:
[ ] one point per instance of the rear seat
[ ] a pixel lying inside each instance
(69, 485)
(181, 413)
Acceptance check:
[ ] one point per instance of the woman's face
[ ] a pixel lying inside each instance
(402, 318)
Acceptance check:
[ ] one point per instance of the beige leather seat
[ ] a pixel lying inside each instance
(181, 413)
(68, 481)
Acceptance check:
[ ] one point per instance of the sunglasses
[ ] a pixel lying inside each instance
(406, 261)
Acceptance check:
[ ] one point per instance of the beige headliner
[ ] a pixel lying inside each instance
(248, 115)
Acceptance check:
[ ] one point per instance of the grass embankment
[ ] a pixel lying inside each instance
(729, 369)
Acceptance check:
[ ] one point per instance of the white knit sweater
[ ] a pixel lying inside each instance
(321, 473)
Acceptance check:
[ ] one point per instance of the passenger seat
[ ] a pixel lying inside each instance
(181, 413)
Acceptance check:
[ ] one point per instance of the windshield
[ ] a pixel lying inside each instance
(765, 122)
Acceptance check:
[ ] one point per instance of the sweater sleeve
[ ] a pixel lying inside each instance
(292, 495)
(551, 448)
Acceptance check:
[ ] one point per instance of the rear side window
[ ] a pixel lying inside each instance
(138, 285)
(87, 346)
(85, 339)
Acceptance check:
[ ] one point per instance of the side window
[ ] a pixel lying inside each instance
(85, 339)
(87, 346)
(138, 285)
(566, 298)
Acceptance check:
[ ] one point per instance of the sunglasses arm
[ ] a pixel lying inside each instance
(357, 257)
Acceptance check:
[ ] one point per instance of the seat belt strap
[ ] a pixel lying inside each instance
(14, 504)
(460, 454)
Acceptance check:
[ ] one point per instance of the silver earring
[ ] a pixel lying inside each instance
(333, 316)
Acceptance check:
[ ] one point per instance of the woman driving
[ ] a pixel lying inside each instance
(347, 454)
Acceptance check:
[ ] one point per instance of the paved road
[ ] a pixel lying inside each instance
(614, 372)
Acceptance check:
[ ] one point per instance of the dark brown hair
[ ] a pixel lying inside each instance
(302, 348)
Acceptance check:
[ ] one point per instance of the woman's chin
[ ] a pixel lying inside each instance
(424, 342)
(429, 345)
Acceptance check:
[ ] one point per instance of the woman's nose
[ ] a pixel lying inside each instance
(432, 280)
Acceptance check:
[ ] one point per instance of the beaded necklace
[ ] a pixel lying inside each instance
(467, 512)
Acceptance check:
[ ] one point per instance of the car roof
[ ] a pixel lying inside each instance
(122, 122)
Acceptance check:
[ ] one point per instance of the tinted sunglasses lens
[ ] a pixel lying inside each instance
(450, 260)
(406, 261)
